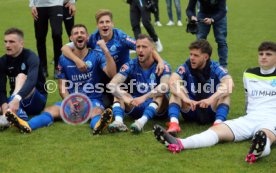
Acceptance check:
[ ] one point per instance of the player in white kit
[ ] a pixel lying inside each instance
(259, 123)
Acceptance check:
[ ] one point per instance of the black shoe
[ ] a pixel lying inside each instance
(257, 147)
(173, 144)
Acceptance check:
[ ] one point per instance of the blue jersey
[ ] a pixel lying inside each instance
(142, 81)
(201, 85)
(118, 46)
(87, 82)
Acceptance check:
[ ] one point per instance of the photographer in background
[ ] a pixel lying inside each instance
(141, 9)
(211, 12)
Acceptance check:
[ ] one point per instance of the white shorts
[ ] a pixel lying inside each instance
(245, 127)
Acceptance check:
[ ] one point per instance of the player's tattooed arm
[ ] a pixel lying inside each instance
(115, 89)
(62, 87)
(160, 89)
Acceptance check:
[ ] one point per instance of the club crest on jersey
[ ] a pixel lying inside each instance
(181, 70)
(113, 48)
(273, 83)
(89, 64)
(124, 68)
(23, 66)
(152, 76)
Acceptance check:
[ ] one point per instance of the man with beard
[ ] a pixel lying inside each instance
(203, 96)
(147, 95)
(68, 71)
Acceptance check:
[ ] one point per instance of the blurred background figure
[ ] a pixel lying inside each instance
(178, 12)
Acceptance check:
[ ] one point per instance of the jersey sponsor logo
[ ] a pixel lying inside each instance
(131, 40)
(89, 64)
(23, 66)
(181, 70)
(223, 69)
(124, 68)
(152, 76)
(262, 93)
(113, 48)
(273, 83)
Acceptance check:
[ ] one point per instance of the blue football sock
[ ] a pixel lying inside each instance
(149, 112)
(118, 111)
(222, 111)
(174, 110)
(94, 121)
(42, 120)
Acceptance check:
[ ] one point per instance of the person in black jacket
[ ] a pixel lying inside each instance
(211, 13)
(28, 93)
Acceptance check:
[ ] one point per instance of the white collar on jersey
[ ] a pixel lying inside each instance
(269, 71)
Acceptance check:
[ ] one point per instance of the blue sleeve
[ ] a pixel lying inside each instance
(221, 10)
(92, 41)
(102, 61)
(61, 66)
(191, 8)
(125, 69)
(181, 71)
(219, 71)
(167, 69)
(129, 42)
(32, 62)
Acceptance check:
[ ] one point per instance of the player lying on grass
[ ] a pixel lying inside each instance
(97, 63)
(259, 123)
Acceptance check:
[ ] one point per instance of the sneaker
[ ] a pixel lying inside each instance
(173, 144)
(257, 147)
(4, 123)
(159, 46)
(173, 128)
(102, 124)
(14, 120)
(158, 23)
(117, 126)
(170, 23)
(179, 23)
(136, 127)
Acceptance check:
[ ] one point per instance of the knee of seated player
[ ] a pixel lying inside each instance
(224, 132)
(53, 110)
(175, 99)
(162, 102)
(270, 135)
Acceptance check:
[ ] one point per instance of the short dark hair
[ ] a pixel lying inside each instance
(203, 45)
(267, 45)
(103, 12)
(14, 31)
(79, 26)
(143, 36)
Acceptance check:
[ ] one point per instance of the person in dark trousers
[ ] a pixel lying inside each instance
(139, 11)
(156, 14)
(69, 10)
(42, 12)
(211, 13)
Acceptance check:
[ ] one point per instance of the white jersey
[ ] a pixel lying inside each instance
(48, 3)
(261, 94)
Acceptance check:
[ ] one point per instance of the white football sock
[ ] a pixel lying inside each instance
(173, 119)
(204, 139)
(143, 120)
